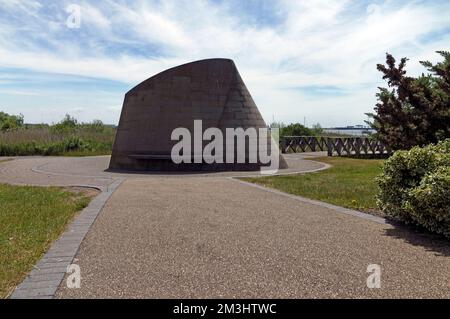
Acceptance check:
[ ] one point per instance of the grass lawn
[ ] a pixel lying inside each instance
(349, 183)
(31, 218)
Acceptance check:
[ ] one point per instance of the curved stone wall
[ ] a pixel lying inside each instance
(208, 90)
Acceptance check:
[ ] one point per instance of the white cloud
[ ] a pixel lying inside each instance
(29, 7)
(94, 16)
(315, 43)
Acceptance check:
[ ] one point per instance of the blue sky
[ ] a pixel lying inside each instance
(313, 59)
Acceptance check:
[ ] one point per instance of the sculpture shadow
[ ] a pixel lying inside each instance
(180, 172)
(418, 236)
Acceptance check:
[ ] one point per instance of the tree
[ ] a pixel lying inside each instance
(317, 129)
(10, 122)
(413, 111)
(68, 124)
(295, 129)
(97, 126)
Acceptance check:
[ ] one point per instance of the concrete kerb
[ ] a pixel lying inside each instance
(335, 208)
(43, 281)
(338, 209)
(322, 168)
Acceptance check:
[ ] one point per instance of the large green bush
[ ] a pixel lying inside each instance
(295, 129)
(415, 187)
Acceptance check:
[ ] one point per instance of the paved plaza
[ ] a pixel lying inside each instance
(212, 236)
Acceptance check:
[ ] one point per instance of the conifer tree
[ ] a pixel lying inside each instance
(413, 111)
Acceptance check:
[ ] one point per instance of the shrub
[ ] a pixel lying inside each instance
(415, 187)
(67, 125)
(73, 144)
(96, 126)
(10, 122)
(295, 129)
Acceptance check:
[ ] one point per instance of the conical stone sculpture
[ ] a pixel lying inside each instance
(209, 90)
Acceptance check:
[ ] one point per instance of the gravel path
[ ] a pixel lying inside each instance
(194, 237)
(218, 238)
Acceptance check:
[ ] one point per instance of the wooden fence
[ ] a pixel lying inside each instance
(333, 145)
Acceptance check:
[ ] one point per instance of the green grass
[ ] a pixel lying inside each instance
(348, 183)
(31, 218)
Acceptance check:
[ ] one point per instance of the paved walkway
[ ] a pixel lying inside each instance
(92, 171)
(195, 237)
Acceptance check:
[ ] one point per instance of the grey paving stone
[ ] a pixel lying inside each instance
(57, 265)
(44, 277)
(40, 284)
(55, 259)
(32, 293)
